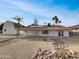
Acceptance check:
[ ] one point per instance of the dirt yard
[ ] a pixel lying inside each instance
(26, 49)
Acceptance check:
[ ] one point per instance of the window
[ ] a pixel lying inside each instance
(60, 33)
(45, 32)
(4, 29)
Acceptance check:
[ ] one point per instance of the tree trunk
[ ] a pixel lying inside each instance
(18, 29)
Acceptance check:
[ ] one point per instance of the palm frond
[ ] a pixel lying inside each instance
(19, 19)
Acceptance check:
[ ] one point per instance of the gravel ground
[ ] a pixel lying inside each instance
(26, 49)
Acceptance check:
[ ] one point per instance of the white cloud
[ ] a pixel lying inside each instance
(61, 11)
(29, 8)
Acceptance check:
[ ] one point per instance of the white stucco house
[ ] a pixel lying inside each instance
(10, 28)
(48, 31)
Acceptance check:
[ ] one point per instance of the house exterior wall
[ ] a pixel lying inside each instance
(28, 33)
(23, 33)
(66, 33)
(9, 28)
(51, 33)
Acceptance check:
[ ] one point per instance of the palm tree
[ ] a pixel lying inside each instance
(18, 19)
(55, 18)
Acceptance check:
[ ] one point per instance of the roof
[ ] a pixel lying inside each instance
(74, 27)
(16, 25)
(58, 27)
(53, 27)
(35, 26)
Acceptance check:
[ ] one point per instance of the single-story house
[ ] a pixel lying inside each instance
(48, 31)
(10, 28)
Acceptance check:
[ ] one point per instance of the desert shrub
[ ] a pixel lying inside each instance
(60, 51)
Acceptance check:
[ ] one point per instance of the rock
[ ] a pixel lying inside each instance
(60, 51)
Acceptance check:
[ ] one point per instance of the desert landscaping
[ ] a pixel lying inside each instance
(22, 48)
(39, 29)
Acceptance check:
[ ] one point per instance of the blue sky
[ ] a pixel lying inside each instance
(43, 10)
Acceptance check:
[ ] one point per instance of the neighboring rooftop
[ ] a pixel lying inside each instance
(74, 27)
